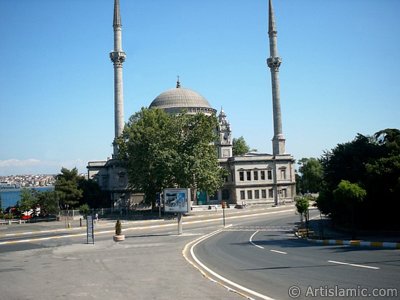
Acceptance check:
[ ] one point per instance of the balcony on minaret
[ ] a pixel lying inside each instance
(118, 57)
(274, 62)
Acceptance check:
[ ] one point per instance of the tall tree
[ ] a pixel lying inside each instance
(311, 175)
(92, 195)
(348, 197)
(148, 146)
(383, 176)
(162, 150)
(28, 199)
(302, 205)
(198, 167)
(66, 187)
(47, 201)
(239, 146)
(372, 162)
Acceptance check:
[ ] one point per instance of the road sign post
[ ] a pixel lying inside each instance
(177, 201)
(223, 212)
(89, 229)
(180, 223)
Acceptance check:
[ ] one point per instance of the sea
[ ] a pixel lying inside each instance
(10, 197)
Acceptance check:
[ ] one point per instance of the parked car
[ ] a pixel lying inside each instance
(26, 217)
(46, 218)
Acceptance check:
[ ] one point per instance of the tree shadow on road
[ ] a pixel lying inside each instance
(148, 235)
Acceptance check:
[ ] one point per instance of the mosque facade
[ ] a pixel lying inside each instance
(254, 178)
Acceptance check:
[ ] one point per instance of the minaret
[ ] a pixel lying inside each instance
(274, 61)
(118, 57)
(224, 143)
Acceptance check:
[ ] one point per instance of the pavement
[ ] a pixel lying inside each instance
(141, 267)
(145, 266)
(148, 265)
(76, 223)
(322, 231)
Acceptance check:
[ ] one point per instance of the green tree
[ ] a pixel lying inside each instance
(48, 202)
(373, 162)
(346, 161)
(28, 200)
(239, 146)
(148, 146)
(92, 195)
(66, 187)
(84, 209)
(348, 196)
(302, 205)
(311, 175)
(162, 150)
(383, 179)
(197, 166)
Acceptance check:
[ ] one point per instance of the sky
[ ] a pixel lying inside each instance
(339, 76)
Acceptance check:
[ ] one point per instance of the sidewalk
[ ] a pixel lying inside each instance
(132, 219)
(323, 232)
(147, 265)
(144, 266)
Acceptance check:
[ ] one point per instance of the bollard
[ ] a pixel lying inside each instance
(80, 222)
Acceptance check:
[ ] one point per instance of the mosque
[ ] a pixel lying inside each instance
(254, 178)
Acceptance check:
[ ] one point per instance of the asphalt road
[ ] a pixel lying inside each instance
(47, 261)
(262, 255)
(259, 252)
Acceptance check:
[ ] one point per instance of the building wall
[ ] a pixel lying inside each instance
(251, 179)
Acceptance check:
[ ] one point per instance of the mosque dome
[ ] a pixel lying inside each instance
(182, 99)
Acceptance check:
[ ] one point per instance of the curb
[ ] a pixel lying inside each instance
(188, 254)
(357, 243)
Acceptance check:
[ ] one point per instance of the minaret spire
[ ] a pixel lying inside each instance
(271, 19)
(118, 57)
(274, 62)
(117, 15)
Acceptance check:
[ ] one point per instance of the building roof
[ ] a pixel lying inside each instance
(180, 99)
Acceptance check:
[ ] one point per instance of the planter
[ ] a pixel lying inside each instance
(119, 238)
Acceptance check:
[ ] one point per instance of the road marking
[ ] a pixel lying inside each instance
(353, 265)
(127, 229)
(251, 240)
(225, 280)
(261, 247)
(277, 251)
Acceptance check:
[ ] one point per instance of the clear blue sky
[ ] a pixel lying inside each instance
(339, 77)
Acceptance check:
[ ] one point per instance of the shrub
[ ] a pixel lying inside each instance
(84, 209)
(118, 228)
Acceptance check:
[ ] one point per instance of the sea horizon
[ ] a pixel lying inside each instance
(10, 197)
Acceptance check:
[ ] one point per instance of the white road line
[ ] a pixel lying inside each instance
(127, 229)
(261, 247)
(277, 251)
(353, 265)
(251, 240)
(227, 281)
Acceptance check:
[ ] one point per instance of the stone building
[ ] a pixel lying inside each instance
(254, 178)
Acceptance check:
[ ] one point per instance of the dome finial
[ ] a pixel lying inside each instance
(178, 83)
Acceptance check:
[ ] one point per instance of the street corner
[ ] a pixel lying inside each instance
(302, 234)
